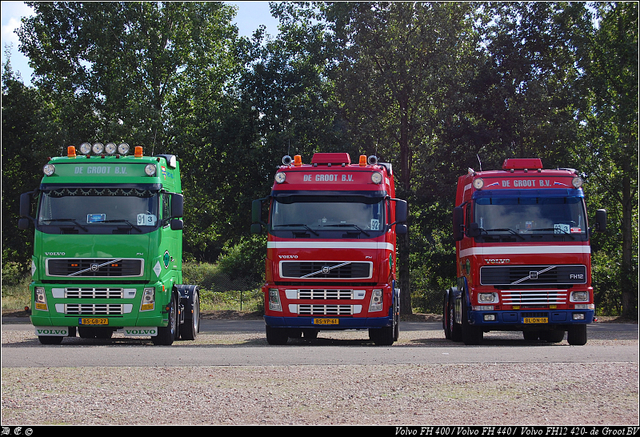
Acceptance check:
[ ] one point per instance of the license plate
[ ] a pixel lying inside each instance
(324, 321)
(535, 320)
(93, 321)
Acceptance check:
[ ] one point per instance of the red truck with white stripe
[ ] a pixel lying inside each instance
(331, 250)
(523, 255)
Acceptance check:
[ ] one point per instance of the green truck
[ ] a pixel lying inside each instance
(108, 247)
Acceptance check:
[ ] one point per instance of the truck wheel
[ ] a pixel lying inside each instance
(553, 336)
(382, 336)
(166, 334)
(470, 334)
(191, 327)
(531, 335)
(45, 339)
(577, 335)
(276, 336)
(455, 330)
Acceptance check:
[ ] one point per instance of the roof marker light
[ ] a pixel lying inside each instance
(138, 152)
(363, 160)
(71, 152)
(297, 160)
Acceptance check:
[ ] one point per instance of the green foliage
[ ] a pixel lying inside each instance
(430, 87)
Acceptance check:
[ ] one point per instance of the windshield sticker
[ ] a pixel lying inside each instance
(96, 218)
(559, 228)
(375, 225)
(146, 220)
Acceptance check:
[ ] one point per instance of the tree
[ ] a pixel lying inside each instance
(398, 66)
(610, 133)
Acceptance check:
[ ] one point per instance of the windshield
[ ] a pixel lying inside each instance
(98, 210)
(345, 216)
(520, 217)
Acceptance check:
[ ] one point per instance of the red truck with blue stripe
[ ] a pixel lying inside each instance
(331, 250)
(523, 255)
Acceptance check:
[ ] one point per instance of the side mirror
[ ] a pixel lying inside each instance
(474, 230)
(176, 225)
(256, 211)
(23, 223)
(402, 211)
(256, 228)
(458, 223)
(601, 220)
(401, 229)
(177, 206)
(25, 204)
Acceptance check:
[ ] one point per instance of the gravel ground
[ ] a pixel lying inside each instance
(405, 394)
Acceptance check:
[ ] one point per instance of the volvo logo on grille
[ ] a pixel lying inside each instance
(94, 267)
(533, 275)
(325, 269)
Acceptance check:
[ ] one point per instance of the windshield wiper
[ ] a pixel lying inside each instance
(297, 225)
(122, 221)
(555, 231)
(342, 225)
(72, 220)
(502, 230)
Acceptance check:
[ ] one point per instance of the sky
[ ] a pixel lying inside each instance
(251, 14)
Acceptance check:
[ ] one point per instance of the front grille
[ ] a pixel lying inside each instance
(325, 294)
(533, 275)
(95, 267)
(534, 297)
(327, 310)
(326, 269)
(94, 293)
(93, 309)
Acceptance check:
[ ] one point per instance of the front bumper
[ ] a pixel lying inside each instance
(523, 319)
(343, 323)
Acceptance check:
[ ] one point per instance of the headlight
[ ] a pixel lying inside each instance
(148, 299)
(110, 148)
(274, 300)
(376, 177)
(85, 148)
(579, 296)
(123, 149)
(376, 301)
(488, 298)
(478, 183)
(49, 169)
(39, 299)
(576, 182)
(150, 169)
(97, 148)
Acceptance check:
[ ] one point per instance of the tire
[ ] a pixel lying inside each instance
(189, 330)
(577, 335)
(455, 330)
(552, 336)
(470, 334)
(167, 334)
(531, 335)
(276, 336)
(309, 334)
(45, 339)
(382, 336)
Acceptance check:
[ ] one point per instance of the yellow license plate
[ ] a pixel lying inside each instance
(324, 321)
(535, 320)
(93, 321)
